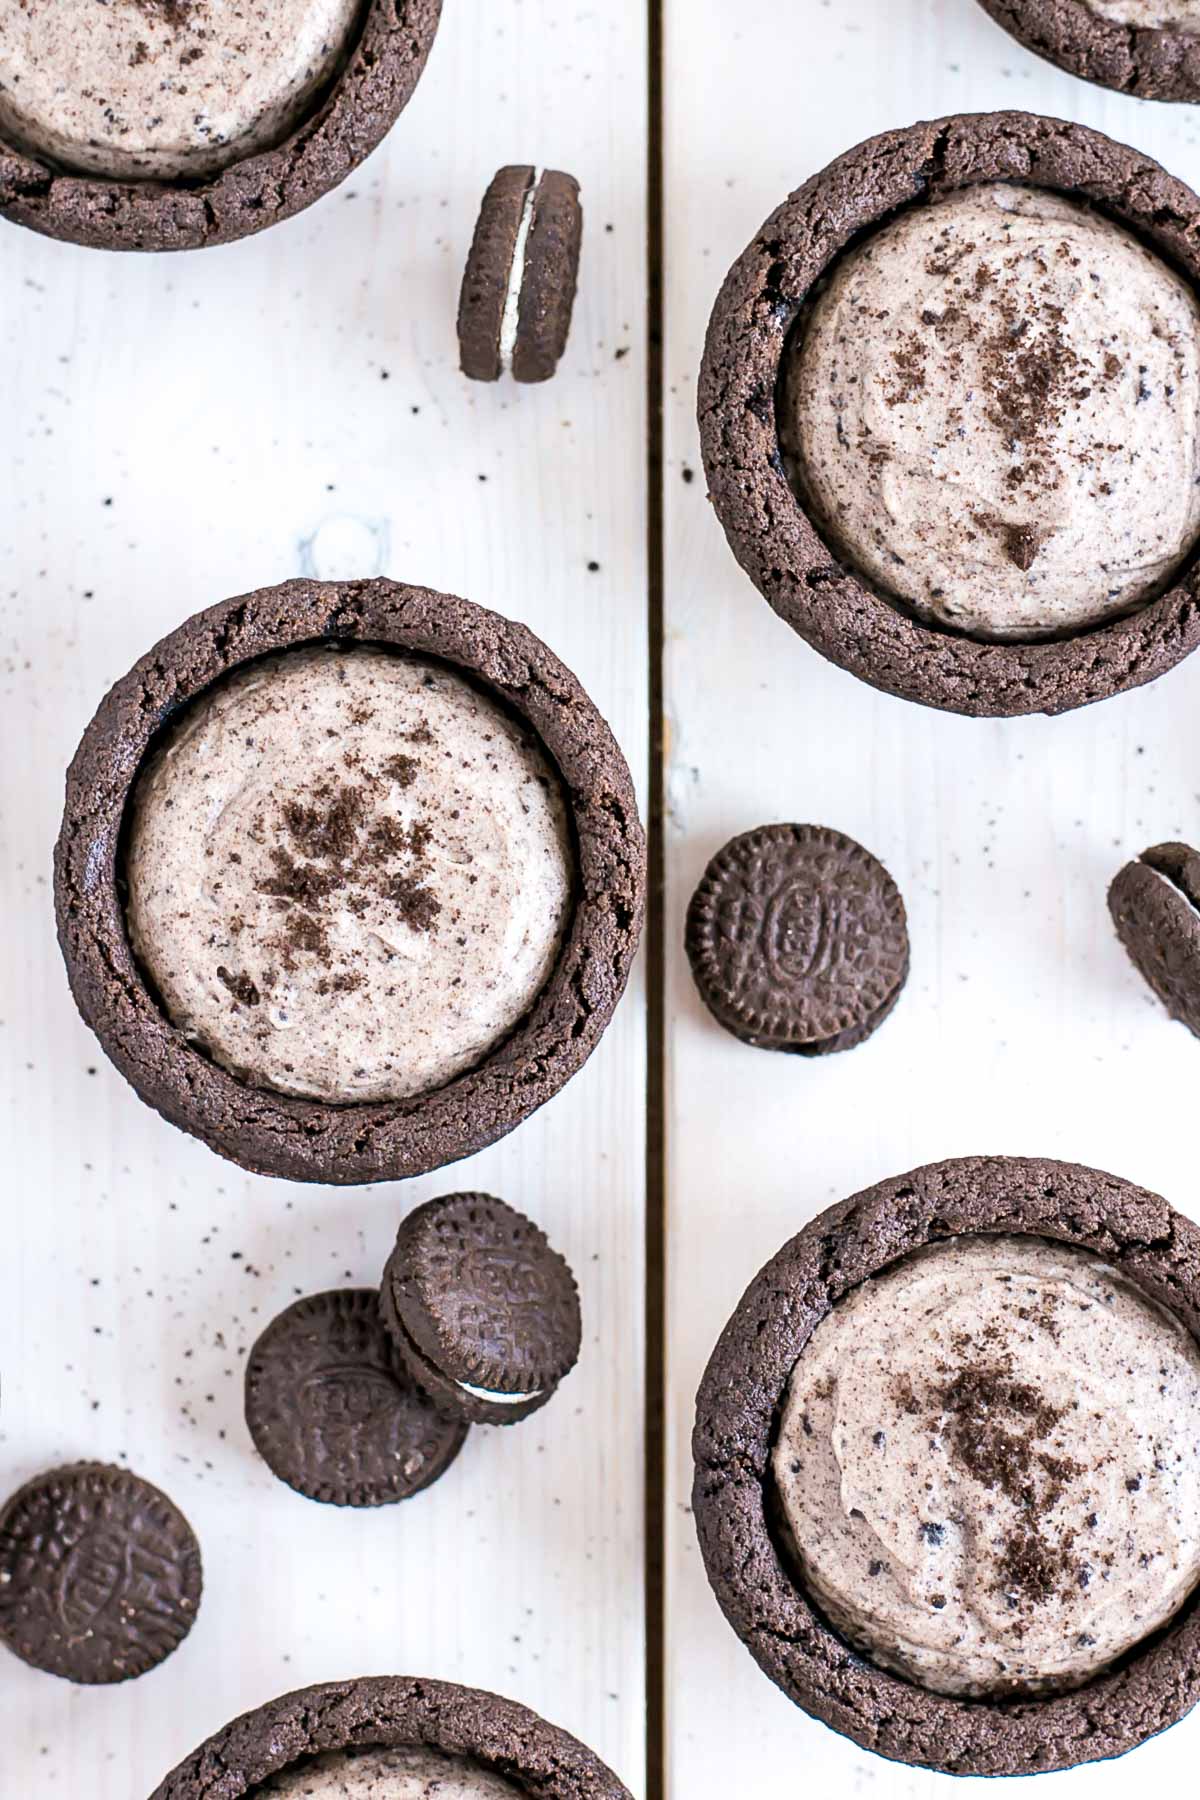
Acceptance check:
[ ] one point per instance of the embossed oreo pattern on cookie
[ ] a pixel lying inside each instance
(332, 1410)
(798, 940)
(100, 1575)
(480, 1305)
(1155, 906)
(737, 1422)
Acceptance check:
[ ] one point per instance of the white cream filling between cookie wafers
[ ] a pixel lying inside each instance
(478, 1393)
(510, 318)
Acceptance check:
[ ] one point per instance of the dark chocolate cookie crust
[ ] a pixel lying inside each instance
(366, 99)
(1155, 907)
(770, 534)
(100, 1574)
(1156, 63)
(300, 1139)
(736, 1419)
(382, 1712)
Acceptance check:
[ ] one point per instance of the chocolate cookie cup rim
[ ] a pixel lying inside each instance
(737, 1415)
(1154, 62)
(377, 77)
(1154, 904)
(306, 1140)
(385, 1712)
(771, 534)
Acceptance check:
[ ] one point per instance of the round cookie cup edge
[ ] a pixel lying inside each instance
(384, 1711)
(374, 85)
(342, 1144)
(737, 1411)
(1150, 62)
(769, 531)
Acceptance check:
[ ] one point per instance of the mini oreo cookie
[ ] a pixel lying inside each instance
(100, 1574)
(1155, 905)
(518, 291)
(484, 1312)
(297, 1138)
(798, 940)
(332, 1410)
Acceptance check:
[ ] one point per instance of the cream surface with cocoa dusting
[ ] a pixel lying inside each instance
(349, 873)
(994, 413)
(1148, 13)
(163, 88)
(400, 1774)
(989, 1466)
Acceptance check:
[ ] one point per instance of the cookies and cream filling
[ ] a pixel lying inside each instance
(1148, 14)
(163, 89)
(397, 1774)
(510, 319)
(349, 873)
(988, 1466)
(993, 412)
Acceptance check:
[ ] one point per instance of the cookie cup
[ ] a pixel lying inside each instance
(374, 84)
(306, 1140)
(737, 1422)
(768, 527)
(383, 1712)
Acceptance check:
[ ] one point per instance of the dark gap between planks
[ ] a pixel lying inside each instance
(656, 1196)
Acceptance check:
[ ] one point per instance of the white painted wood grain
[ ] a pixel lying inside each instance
(1023, 1028)
(173, 431)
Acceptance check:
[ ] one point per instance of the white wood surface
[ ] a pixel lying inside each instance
(1023, 1028)
(173, 431)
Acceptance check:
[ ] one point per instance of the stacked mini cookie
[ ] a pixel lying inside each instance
(357, 1397)
(361, 1397)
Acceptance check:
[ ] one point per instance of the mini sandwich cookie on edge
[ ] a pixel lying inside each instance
(483, 1311)
(1155, 906)
(518, 291)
